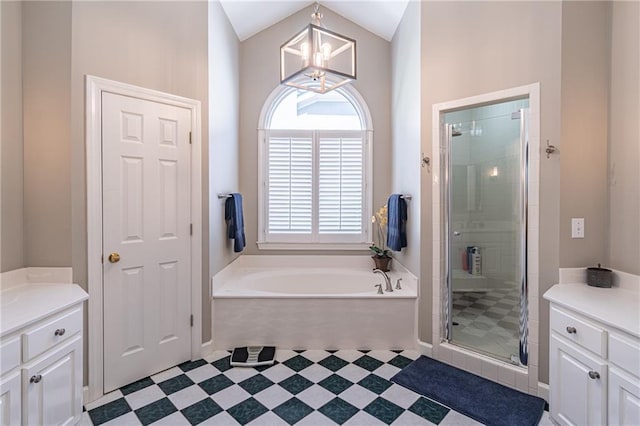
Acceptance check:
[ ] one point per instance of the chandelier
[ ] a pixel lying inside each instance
(317, 59)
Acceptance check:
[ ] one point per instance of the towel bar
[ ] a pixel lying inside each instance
(223, 196)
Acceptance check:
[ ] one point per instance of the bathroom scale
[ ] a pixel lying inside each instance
(253, 356)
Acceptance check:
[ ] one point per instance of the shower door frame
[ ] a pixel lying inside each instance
(522, 229)
(443, 350)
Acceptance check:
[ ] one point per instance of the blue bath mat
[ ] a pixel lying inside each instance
(481, 399)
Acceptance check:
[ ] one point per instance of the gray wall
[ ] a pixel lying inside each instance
(405, 125)
(224, 110)
(12, 222)
(583, 154)
(46, 38)
(469, 48)
(624, 139)
(259, 76)
(157, 45)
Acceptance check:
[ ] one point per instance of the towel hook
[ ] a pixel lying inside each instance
(550, 149)
(425, 161)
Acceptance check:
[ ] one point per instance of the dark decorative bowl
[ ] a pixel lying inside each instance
(599, 277)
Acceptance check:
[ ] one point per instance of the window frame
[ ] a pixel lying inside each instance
(315, 240)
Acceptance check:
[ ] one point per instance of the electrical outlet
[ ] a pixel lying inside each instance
(577, 227)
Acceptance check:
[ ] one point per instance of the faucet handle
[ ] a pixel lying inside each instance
(398, 284)
(379, 288)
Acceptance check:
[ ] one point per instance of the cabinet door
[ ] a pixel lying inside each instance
(624, 398)
(10, 402)
(577, 385)
(53, 386)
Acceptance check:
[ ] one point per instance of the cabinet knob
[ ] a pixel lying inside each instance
(594, 375)
(60, 332)
(36, 378)
(571, 330)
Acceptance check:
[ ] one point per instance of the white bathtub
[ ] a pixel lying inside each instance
(311, 302)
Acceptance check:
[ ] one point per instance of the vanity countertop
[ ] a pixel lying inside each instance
(27, 303)
(616, 307)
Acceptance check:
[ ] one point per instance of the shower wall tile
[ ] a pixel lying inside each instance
(445, 354)
(507, 376)
(490, 370)
(533, 262)
(533, 354)
(533, 377)
(522, 382)
(533, 196)
(474, 365)
(533, 357)
(532, 248)
(534, 331)
(534, 314)
(459, 359)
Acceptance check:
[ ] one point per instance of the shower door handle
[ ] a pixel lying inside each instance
(456, 233)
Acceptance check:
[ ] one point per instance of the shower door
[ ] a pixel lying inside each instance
(486, 210)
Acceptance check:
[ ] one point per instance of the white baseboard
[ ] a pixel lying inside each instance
(85, 395)
(207, 348)
(425, 348)
(543, 391)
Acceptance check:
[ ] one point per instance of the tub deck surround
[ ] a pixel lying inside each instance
(308, 276)
(300, 302)
(27, 296)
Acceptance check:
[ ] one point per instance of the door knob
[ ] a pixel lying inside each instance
(114, 258)
(35, 379)
(594, 374)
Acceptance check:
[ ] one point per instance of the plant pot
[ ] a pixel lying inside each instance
(382, 263)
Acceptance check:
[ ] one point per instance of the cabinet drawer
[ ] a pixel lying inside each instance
(50, 332)
(624, 351)
(9, 354)
(579, 331)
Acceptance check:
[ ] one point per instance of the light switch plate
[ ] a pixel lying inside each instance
(577, 227)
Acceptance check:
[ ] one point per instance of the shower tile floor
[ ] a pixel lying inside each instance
(488, 321)
(312, 387)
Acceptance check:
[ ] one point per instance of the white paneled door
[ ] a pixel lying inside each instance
(146, 162)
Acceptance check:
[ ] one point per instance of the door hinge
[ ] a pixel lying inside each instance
(191, 321)
(189, 138)
(191, 229)
(102, 259)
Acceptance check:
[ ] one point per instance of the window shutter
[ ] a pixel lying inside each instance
(340, 184)
(289, 185)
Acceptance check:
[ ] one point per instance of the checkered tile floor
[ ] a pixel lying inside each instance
(312, 387)
(488, 321)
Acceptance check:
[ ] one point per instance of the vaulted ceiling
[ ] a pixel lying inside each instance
(249, 17)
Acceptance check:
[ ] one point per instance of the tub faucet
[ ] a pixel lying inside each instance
(387, 280)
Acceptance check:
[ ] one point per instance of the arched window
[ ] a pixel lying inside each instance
(315, 170)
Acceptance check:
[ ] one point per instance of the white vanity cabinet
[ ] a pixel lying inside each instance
(594, 359)
(10, 400)
(41, 356)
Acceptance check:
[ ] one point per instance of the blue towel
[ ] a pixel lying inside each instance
(235, 221)
(396, 222)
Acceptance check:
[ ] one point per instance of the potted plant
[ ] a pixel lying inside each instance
(380, 254)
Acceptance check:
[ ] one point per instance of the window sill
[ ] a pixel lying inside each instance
(312, 246)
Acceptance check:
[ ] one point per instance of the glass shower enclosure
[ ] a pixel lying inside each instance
(486, 210)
